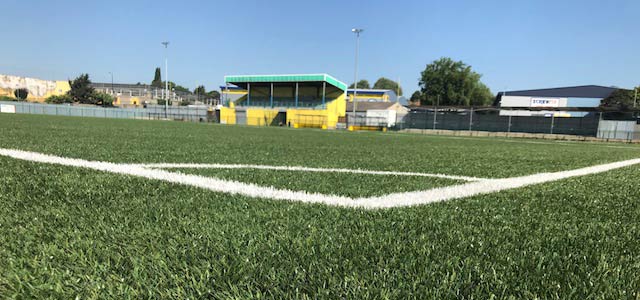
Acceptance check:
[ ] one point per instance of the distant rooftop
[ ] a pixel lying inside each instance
(370, 91)
(583, 91)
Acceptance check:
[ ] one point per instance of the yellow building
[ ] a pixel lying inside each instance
(301, 100)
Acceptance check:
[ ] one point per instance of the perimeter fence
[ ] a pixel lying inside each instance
(154, 112)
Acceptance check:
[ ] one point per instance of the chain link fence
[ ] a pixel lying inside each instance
(153, 112)
(586, 123)
(603, 125)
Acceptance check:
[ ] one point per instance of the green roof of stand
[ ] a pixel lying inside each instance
(287, 78)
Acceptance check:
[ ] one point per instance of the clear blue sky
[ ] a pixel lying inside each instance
(514, 44)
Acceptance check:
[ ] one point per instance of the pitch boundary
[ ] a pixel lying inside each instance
(251, 190)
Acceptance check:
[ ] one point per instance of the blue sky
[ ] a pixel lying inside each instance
(514, 44)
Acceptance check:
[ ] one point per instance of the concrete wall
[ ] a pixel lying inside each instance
(39, 89)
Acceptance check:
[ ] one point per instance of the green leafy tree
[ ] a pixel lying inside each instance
(81, 90)
(416, 97)
(362, 84)
(453, 83)
(620, 99)
(178, 88)
(199, 90)
(157, 79)
(103, 99)
(21, 94)
(213, 95)
(388, 84)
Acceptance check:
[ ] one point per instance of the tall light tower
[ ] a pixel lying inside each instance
(357, 31)
(112, 90)
(166, 79)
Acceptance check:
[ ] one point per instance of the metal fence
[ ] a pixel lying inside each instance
(194, 114)
(604, 125)
(491, 120)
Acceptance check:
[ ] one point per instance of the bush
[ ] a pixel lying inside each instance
(21, 94)
(7, 98)
(161, 102)
(60, 99)
(103, 99)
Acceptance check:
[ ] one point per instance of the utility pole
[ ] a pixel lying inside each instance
(166, 79)
(357, 31)
(435, 113)
(112, 90)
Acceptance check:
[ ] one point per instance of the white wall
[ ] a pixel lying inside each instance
(525, 101)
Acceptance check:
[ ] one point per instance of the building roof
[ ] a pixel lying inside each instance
(583, 91)
(292, 78)
(370, 91)
(364, 106)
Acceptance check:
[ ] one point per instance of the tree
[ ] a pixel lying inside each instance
(81, 90)
(453, 83)
(620, 99)
(178, 88)
(213, 95)
(388, 84)
(103, 99)
(362, 84)
(157, 79)
(199, 90)
(416, 97)
(21, 94)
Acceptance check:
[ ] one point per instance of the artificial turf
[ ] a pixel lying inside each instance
(341, 184)
(67, 232)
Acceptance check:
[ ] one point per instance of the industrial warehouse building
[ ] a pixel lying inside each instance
(548, 102)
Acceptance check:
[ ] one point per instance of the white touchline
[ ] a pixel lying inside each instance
(305, 169)
(392, 200)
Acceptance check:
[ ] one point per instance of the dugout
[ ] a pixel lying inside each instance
(300, 100)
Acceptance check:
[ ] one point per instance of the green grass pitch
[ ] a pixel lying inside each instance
(69, 232)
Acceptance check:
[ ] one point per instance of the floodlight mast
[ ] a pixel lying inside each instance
(112, 90)
(357, 31)
(166, 79)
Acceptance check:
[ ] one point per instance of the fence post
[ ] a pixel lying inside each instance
(435, 118)
(471, 118)
(509, 127)
(553, 118)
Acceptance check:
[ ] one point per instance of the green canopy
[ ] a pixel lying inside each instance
(244, 79)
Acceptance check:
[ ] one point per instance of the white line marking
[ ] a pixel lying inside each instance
(305, 169)
(387, 201)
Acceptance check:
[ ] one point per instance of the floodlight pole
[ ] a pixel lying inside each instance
(166, 79)
(357, 31)
(112, 90)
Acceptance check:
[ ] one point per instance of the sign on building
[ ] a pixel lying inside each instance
(545, 102)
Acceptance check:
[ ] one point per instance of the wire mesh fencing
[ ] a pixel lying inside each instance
(493, 120)
(193, 114)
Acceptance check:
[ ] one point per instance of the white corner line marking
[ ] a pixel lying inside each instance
(251, 190)
(305, 169)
